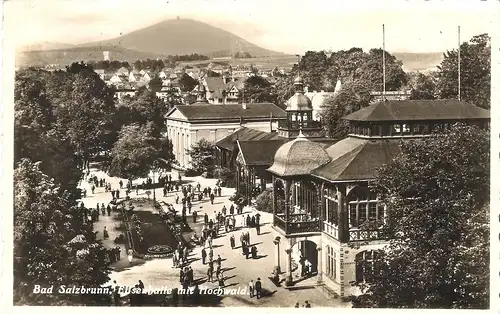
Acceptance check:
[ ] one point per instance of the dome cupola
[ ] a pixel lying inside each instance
(299, 157)
(299, 101)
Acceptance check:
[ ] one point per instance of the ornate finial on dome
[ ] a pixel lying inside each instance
(301, 135)
(299, 84)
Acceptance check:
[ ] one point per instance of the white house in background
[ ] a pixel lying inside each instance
(146, 77)
(117, 79)
(123, 70)
(166, 91)
(134, 77)
(101, 73)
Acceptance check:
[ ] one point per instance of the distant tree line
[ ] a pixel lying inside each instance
(242, 55)
(154, 65)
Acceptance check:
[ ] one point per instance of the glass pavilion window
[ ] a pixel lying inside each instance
(363, 207)
(331, 206)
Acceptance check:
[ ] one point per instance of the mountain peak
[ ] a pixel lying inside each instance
(184, 36)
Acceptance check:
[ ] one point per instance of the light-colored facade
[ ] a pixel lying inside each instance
(188, 124)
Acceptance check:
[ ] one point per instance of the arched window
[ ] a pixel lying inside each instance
(363, 207)
(365, 266)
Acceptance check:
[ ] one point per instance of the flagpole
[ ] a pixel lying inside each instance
(459, 78)
(383, 59)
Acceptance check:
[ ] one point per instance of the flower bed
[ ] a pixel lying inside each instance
(147, 234)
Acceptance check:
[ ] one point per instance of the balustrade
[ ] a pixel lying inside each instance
(297, 224)
(285, 124)
(364, 235)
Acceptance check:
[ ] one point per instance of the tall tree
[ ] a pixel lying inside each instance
(87, 112)
(372, 71)
(258, 89)
(475, 72)
(202, 155)
(142, 108)
(437, 194)
(53, 245)
(136, 150)
(353, 96)
(422, 86)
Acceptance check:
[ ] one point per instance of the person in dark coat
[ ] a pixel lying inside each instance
(258, 288)
(231, 209)
(205, 218)
(194, 216)
(224, 210)
(248, 221)
(109, 210)
(219, 191)
(257, 228)
(247, 251)
(212, 197)
(254, 252)
(209, 190)
(232, 241)
(203, 255)
(117, 194)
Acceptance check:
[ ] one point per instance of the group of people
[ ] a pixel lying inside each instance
(114, 254)
(180, 256)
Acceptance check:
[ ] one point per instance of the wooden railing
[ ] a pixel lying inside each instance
(297, 226)
(366, 235)
(331, 229)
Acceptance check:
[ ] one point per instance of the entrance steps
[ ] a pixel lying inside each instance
(306, 283)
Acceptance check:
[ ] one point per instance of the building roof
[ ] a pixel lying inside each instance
(230, 111)
(299, 157)
(245, 134)
(404, 110)
(215, 85)
(355, 159)
(259, 152)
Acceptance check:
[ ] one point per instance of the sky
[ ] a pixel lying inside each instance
(291, 26)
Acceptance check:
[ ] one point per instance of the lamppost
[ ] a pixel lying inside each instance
(154, 170)
(277, 243)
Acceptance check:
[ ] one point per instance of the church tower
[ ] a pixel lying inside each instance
(299, 115)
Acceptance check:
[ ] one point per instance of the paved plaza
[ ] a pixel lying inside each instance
(238, 270)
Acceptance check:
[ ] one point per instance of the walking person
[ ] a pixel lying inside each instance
(105, 233)
(109, 210)
(130, 256)
(121, 184)
(258, 288)
(103, 209)
(212, 197)
(203, 255)
(232, 241)
(251, 287)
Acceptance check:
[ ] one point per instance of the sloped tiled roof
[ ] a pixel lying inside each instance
(215, 85)
(406, 110)
(356, 159)
(260, 152)
(245, 134)
(230, 111)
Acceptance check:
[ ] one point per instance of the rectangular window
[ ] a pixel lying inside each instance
(353, 215)
(381, 213)
(361, 213)
(425, 129)
(406, 129)
(396, 129)
(372, 211)
(386, 129)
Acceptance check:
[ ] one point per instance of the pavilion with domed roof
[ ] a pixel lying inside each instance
(325, 216)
